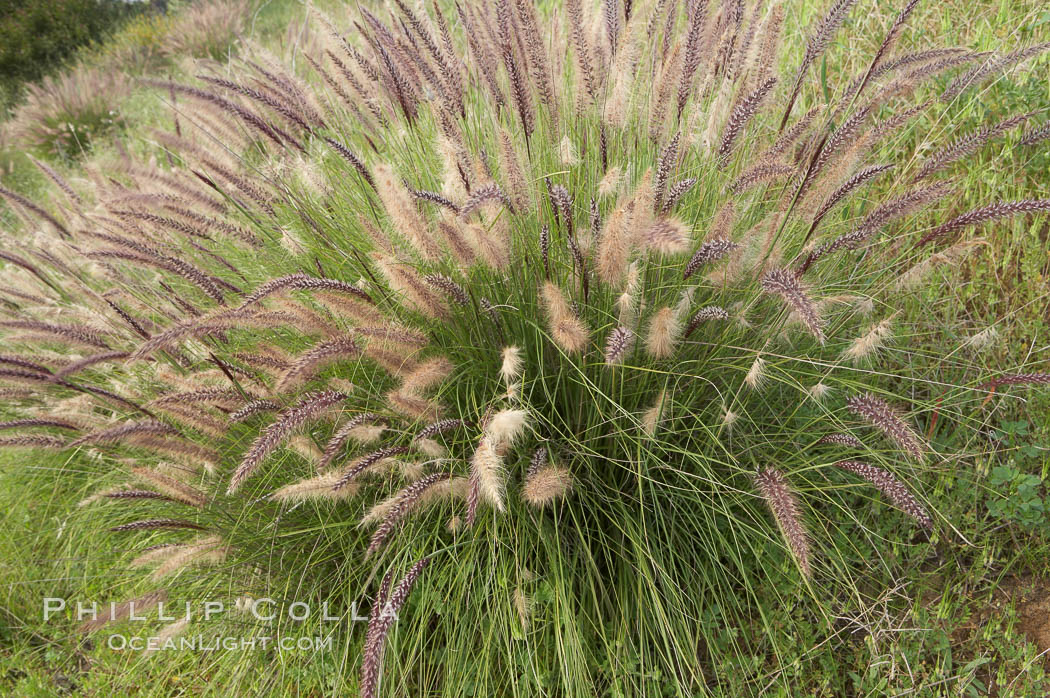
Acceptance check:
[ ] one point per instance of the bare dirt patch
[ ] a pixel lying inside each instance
(1031, 597)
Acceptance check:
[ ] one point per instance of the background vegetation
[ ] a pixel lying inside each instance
(37, 36)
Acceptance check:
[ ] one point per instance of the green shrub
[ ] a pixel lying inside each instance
(64, 114)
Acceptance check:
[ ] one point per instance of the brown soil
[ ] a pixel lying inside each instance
(1031, 598)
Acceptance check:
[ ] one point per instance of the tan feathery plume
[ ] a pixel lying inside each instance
(504, 427)
(426, 374)
(156, 553)
(523, 604)
(490, 245)
(622, 73)
(430, 448)
(315, 488)
(167, 634)
(367, 433)
(653, 415)
(546, 485)
(891, 486)
(412, 406)
(305, 447)
(664, 331)
(404, 280)
(883, 417)
(486, 469)
(984, 339)
(774, 488)
(913, 276)
(627, 303)
(205, 551)
(567, 153)
(516, 181)
(119, 611)
(310, 406)
(756, 374)
(393, 335)
(350, 308)
(619, 237)
(666, 81)
(510, 369)
(729, 417)
(871, 341)
(768, 43)
(510, 372)
(395, 363)
(616, 243)
(567, 330)
(819, 391)
(401, 208)
(610, 182)
(453, 162)
(187, 453)
(173, 488)
(667, 236)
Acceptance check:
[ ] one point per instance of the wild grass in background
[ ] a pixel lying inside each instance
(600, 327)
(63, 116)
(36, 37)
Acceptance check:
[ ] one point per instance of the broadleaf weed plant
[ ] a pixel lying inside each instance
(572, 317)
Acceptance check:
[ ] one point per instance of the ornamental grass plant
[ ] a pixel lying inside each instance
(568, 332)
